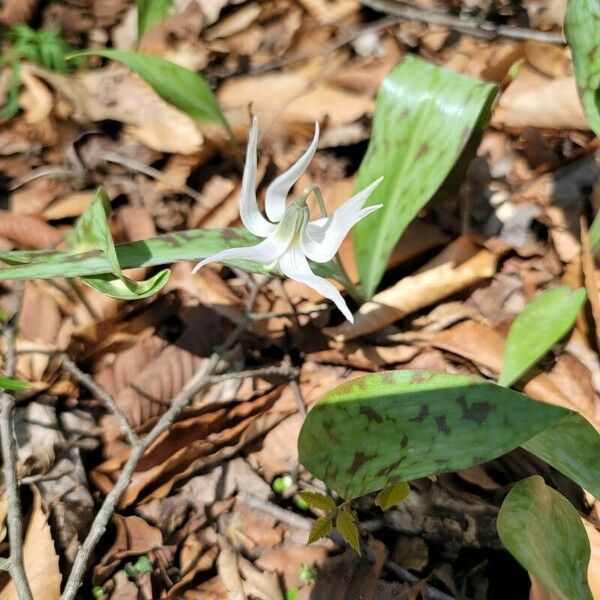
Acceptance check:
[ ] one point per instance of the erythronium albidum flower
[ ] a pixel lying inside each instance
(290, 236)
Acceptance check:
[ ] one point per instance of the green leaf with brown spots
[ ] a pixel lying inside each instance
(424, 117)
(321, 528)
(543, 322)
(543, 531)
(317, 500)
(194, 244)
(346, 525)
(92, 232)
(392, 494)
(401, 425)
(582, 29)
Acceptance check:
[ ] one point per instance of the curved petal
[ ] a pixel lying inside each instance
(280, 187)
(251, 217)
(293, 264)
(266, 252)
(320, 241)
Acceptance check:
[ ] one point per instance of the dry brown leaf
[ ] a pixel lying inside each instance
(122, 96)
(13, 12)
(39, 557)
(36, 100)
(40, 314)
(71, 205)
(28, 232)
(331, 11)
(244, 580)
(285, 562)
(235, 22)
(133, 537)
(519, 105)
(415, 292)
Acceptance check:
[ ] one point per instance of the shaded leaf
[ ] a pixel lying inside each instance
(321, 528)
(317, 500)
(582, 30)
(176, 85)
(151, 12)
(392, 494)
(346, 525)
(572, 446)
(16, 385)
(543, 531)
(400, 425)
(543, 322)
(423, 119)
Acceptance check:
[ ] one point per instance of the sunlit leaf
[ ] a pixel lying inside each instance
(177, 85)
(128, 289)
(346, 525)
(14, 385)
(317, 500)
(543, 322)
(582, 29)
(193, 244)
(151, 12)
(543, 531)
(401, 425)
(321, 528)
(392, 494)
(424, 117)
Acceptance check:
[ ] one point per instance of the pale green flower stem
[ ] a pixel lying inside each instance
(343, 277)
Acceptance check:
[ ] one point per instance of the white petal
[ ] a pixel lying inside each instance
(294, 265)
(280, 187)
(321, 241)
(251, 217)
(266, 252)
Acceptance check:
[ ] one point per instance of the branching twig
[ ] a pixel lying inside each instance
(200, 380)
(9, 458)
(468, 25)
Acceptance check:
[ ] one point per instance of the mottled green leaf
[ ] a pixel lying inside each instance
(582, 29)
(541, 529)
(14, 385)
(571, 446)
(126, 288)
(92, 232)
(151, 12)
(594, 234)
(401, 425)
(321, 528)
(177, 85)
(317, 500)
(424, 117)
(543, 322)
(346, 525)
(193, 244)
(392, 494)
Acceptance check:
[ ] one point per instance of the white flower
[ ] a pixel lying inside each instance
(290, 236)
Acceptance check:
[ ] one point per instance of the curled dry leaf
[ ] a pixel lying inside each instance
(28, 232)
(519, 106)
(122, 96)
(39, 556)
(13, 12)
(415, 292)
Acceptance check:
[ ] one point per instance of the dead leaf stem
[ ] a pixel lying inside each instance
(14, 564)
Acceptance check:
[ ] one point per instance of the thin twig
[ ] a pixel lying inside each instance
(280, 371)
(467, 25)
(45, 171)
(9, 458)
(101, 394)
(404, 575)
(199, 381)
(135, 165)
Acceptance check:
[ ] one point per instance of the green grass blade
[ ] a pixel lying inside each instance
(424, 117)
(177, 85)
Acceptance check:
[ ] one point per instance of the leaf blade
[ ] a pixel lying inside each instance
(423, 119)
(543, 531)
(551, 315)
